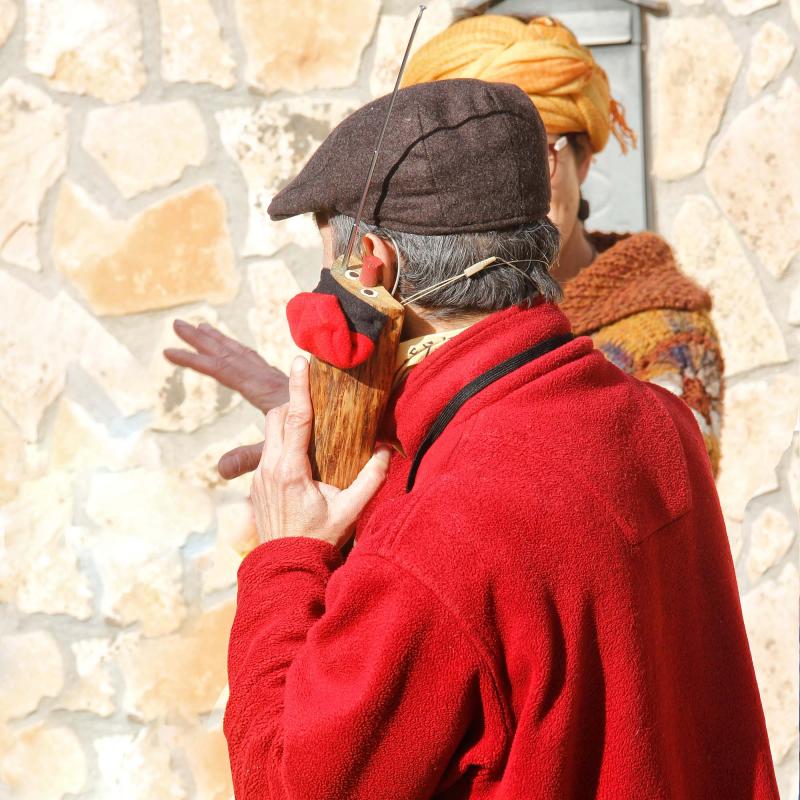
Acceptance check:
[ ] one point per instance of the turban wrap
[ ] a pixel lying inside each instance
(567, 86)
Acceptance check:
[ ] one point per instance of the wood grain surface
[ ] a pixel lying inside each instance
(349, 403)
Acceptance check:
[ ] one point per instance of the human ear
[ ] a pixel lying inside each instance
(382, 249)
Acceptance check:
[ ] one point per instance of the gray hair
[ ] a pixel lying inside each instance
(425, 260)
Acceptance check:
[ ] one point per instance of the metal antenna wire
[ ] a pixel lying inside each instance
(351, 239)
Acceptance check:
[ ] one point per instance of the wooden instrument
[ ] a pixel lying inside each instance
(349, 403)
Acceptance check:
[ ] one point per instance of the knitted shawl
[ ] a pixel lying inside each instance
(653, 322)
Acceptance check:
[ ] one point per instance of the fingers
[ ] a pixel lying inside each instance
(189, 333)
(350, 502)
(240, 460)
(274, 436)
(206, 338)
(300, 415)
(220, 339)
(199, 362)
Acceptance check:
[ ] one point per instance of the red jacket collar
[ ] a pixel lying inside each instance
(432, 384)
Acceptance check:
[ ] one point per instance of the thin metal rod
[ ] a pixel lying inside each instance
(351, 239)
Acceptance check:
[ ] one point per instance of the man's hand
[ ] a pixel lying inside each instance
(232, 364)
(239, 368)
(240, 460)
(286, 500)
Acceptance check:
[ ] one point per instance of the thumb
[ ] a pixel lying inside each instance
(240, 460)
(350, 502)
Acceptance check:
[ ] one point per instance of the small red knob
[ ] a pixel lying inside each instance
(371, 271)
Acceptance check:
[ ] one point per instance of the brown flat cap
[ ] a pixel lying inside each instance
(458, 155)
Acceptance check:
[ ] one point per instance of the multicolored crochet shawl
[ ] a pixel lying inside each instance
(653, 322)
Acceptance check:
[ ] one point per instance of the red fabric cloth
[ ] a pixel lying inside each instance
(552, 612)
(318, 325)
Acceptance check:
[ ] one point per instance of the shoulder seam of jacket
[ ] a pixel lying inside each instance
(480, 648)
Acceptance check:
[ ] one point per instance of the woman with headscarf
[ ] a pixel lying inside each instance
(624, 290)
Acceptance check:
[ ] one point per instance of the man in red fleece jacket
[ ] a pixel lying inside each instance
(541, 601)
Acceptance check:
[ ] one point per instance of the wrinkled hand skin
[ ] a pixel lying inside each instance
(239, 368)
(286, 500)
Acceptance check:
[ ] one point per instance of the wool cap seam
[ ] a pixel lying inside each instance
(428, 161)
(508, 127)
(460, 180)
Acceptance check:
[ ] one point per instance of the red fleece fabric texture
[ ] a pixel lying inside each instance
(318, 326)
(551, 613)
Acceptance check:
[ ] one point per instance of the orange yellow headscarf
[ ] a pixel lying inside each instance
(567, 86)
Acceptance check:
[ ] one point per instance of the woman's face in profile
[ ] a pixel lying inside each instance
(570, 172)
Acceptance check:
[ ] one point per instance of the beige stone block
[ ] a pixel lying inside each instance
(392, 38)
(237, 528)
(94, 48)
(145, 516)
(87, 343)
(709, 252)
(78, 442)
(771, 617)
(176, 251)
(740, 8)
(735, 540)
(696, 67)
(30, 668)
(206, 752)
(94, 689)
(141, 585)
(54, 583)
(40, 338)
(180, 675)
(38, 550)
(42, 762)
(202, 469)
(271, 143)
(142, 147)
(22, 248)
(770, 53)
(304, 45)
(137, 767)
(8, 16)
(192, 48)
(219, 564)
(216, 717)
(12, 459)
(693, 2)
(185, 399)
(793, 476)
(32, 357)
(794, 771)
(755, 177)
(794, 307)
(759, 418)
(33, 155)
(153, 507)
(265, 237)
(771, 536)
(272, 286)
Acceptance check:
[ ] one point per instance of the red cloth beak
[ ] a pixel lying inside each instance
(319, 326)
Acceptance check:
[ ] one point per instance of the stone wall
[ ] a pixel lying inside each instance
(725, 108)
(139, 145)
